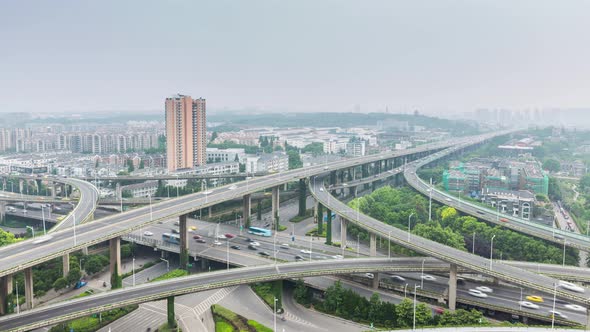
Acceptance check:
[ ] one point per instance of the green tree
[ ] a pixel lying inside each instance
(584, 182)
(60, 283)
(551, 165)
(130, 167)
(7, 238)
(405, 314)
(126, 194)
(93, 264)
(294, 160)
(333, 297)
(213, 136)
(142, 164)
(301, 292)
(73, 276)
(374, 308)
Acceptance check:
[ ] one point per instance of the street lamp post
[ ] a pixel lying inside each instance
(414, 323)
(520, 302)
(473, 244)
(227, 255)
(17, 301)
(492, 251)
(80, 263)
(422, 275)
(133, 270)
(553, 311)
(310, 246)
(43, 217)
(405, 289)
(275, 314)
(74, 215)
(389, 247)
(563, 261)
(409, 218)
(32, 230)
(430, 201)
(358, 245)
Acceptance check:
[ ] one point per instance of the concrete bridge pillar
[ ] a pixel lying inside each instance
(588, 318)
(210, 211)
(343, 232)
(29, 288)
(183, 241)
(66, 264)
(373, 245)
(85, 251)
(20, 185)
(118, 192)
(320, 217)
(5, 289)
(170, 312)
(275, 207)
(204, 264)
(2, 211)
(246, 207)
(329, 227)
(302, 197)
(453, 287)
(375, 281)
(115, 260)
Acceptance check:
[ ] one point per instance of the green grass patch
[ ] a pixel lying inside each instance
(93, 323)
(259, 327)
(165, 328)
(267, 291)
(228, 321)
(170, 275)
(282, 228)
(88, 292)
(314, 232)
(298, 218)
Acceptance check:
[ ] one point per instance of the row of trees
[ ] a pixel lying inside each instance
(394, 207)
(346, 303)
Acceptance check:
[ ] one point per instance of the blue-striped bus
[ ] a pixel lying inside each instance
(260, 231)
(171, 238)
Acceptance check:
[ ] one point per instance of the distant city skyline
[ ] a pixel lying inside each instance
(440, 57)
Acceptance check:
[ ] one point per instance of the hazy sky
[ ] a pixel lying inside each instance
(305, 55)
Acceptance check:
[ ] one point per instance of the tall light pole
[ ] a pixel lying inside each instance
(80, 263)
(473, 244)
(358, 245)
(17, 301)
(389, 248)
(520, 302)
(553, 313)
(310, 245)
(414, 323)
(422, 275)
(43, 217)
(32, 230)
(405, 289)
(409, 218)
(492, 251)
(275, 314)
(227, 257)
(430, 201)
(176, 185)
(74, 215)
(563, 261)
(133, 270)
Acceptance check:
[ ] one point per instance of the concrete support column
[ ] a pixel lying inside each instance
(373, 245)
(246, 207)
(171, 319)
(66, 264)
(204, 264)
(275, 207)
(302, 197)
(329, 227)
(343, 232)
(2, 211)
(118, 192)
(210, 211)
(20, 185)
(453, 287)
(29, 288)
(183, 241)
(53, 189)
(5, 289)
(320, 217)
(375, 281)
(115, 257)
(85, 251)
(588, 318)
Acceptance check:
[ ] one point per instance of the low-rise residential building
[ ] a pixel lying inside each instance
(145, 189)
(267, 162)
(517, 203)
(215, 155)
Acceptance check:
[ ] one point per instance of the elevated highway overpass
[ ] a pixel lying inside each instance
(555, 235)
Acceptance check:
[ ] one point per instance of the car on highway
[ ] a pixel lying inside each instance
(147, 233)
(477, 293)
(221, 237)
(338, 257)
(177, 223)
(305, 251)
(575, 307)
(557, 236)
(321, 189)
(480, 212)
(263, 253)
(448, 199)
(557, 314)
(251, 247)
(299, 258)
(503, 220)
(196, 237)
(236, 247)
(217, 243)
(194, 228)
(254, 243)
(284, 246)
(201, 241)
(248, 239)
(529, 305)
(427, 277)
(267, 225)
(534, 298)
(42, 239)
(484, 289)
(175, 231)
(233, 187)
(398, 278)
(369, 275)
(229, 235)
(571, 286)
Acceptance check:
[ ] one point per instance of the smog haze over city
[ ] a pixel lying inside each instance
(309, 165)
